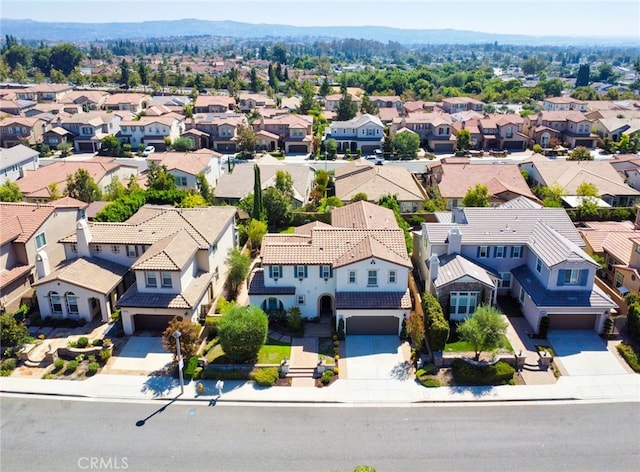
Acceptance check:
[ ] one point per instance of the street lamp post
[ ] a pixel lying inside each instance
(176, 335)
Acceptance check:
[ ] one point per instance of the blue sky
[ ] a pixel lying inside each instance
(590, 18)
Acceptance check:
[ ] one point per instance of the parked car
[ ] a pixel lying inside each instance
(377, 160)
(148, 150)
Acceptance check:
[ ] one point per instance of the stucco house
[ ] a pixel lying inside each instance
(355, 269)
(161, 263)
(15, 161)
(18, 130)
(294, 132)
(221, 130)
(185, 166)
(361, 176)
(30, 234)
(152, 131)
(534, 255)
(435, 130)
(364, 132)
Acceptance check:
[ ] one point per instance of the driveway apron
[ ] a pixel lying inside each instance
(584, 353)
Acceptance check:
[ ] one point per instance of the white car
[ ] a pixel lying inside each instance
(148, 150)
(377, 160)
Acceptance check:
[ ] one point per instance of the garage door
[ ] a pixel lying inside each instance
(151, 322)
(301, 148)
(443, 148)
(85, 147)
(519, 145)
(572, 321)
(372, 325)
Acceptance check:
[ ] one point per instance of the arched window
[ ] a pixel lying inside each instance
(72, 302)
(55, 302)
(272, 304)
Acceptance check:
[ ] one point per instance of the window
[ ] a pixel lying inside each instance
(509, 132)
(74, 248)
(619, 280)
(516, 251)
(181, 181)
(326, 272)
(505, 280)
(522, 294)
(538, 265)
(72, 303)
(41, 241)
(301, 272)
(352, 276)
(166, 279)
(55, 302)
(393, 276)
(499, 251)
(275, 272)
(463, 303)
(483, 251)
(96, 248)
(132, 251)
(372, 278)
(300, 299)
(151, 279)
(572, 277)
(115, 248)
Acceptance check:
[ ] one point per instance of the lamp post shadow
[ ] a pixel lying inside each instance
(140, 423)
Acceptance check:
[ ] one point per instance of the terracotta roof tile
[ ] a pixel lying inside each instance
(94, 274)
(188, 299)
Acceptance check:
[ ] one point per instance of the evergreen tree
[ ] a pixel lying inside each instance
(258, 209)
(582, 80)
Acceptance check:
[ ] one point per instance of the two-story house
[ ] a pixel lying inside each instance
(30, 234)
(133, 102)
(435, 130)
(569, 127)
(90, 128)
(185, 166)
(44, 92)
(248, 102)
(355, 269)
(364, 132)
(333, 101)
(87, 99)
(221, 130)
(534, 255)
(458, 104)
(17, 130)
(294, 132)
(15, 161)
(206, 104)
(161, 263)
(152, 131)
(564, 104)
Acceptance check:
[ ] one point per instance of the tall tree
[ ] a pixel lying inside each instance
(278, 208)
(125, 73)
(258, 209)
(284, 182)
(483, 330)
(477, 196)
(204, 188)
(10, 192)
(347, 108)
(308, 101)
(238, 264)
(325, 88)
(246, 138)
(189, 338)
(463, 140)
(367, 106)
(81, 186)
(159, 178)
(65, 57)
(582, 79)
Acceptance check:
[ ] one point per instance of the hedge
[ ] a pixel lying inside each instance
(465, 373)
(265, 377)
(629, 355)
(436, 325)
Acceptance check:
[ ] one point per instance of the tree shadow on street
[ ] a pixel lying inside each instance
(159, 385)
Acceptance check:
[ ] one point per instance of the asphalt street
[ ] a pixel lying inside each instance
(65, 435)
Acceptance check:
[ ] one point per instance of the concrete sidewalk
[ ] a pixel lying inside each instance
(344, 391)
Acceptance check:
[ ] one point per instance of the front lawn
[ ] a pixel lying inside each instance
(463, 346)
(271, 353)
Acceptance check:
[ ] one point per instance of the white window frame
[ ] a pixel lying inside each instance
(500, 251)
(470, 306)
(571, 277)
(97, 248)
(484, 252)
(72, 296)
(538, 265)
(56, 295)
(275, 272)
(151, 279)
(41, 240)
(300, 299)
(132, 250)
(115, 248)
(300, 272)
(522, 295)
(505, 279)
(517, 251)
(326, 272)
(352, 277)
(164, 278)
(393, 277)
(372, 277)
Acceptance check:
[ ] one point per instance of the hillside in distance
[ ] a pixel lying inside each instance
(83, 32)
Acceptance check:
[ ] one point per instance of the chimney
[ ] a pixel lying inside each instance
(455, 241)
(457, 215)
(434, 263)
(42, 264)
(83, 234)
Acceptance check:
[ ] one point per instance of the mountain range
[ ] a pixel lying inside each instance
(83, 32)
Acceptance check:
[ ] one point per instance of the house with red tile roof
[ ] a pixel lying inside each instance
(355, 269)
(185, 166)
(435, 130)
(213, 104)
(222, 130)
(30, 234)
(161, 263)
(133, 102)
(294, 132)
(571, 127)
(152, 131)
(18, 130)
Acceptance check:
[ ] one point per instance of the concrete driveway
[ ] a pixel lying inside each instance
(140, 355)
(584, 353)
(376, 357)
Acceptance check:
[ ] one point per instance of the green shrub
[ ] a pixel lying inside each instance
(468, 374)
(91, 358)
(295, 322)
(629, 355)
(72, 366)
(265, 377)
(82, 342)
(97, 342)
(92, 368)
(197, 373)
(8, 366)
(210, 345)
(105, 354)
(58, 364)
(212, 373)
(430, 381)
(429, 369)
(242, 332)
(190, 368)
(436, 326)
(327, 375)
